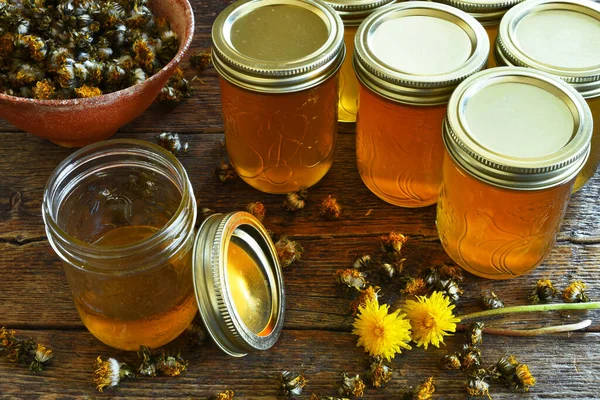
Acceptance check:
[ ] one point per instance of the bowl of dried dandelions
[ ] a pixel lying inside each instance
(75, 71)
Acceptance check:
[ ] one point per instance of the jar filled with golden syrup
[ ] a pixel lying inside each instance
(121, 214)
(352, 12)
(489, 13)
(404, 89)
(516, 138)
(561, 37)
(278, 62)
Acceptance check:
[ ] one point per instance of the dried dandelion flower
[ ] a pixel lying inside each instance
(330, 208)
(415, 287)
(148, 365)
(471, 358)
(171, 364)
(381, 333)
(506, 366)
(453, 272)
(390, 270)
(392, 244)
(288, 251)
(451, 361)
(257, 209)
(431, 319)
(425, 390)
(491, 301)
(29, 351)
(543, 292)
(292, 383)
(476, 386)
(42, 355)
(352, 278)
(523, 378)
(109, 373)
(172, 142)
(295, 201)
(450, 289)
(86, 91)
(351, 385)
(225, 172)
(226, 395)
(475, 334)
(201, 60)
(362, 262)
(575, 293)
(43, 90)
(378, 374)
(370, 293)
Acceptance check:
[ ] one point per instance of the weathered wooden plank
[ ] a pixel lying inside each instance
(565, 367)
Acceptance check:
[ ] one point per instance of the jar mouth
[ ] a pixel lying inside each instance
(71, 172)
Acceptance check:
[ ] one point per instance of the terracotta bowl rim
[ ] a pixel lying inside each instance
(108, 97)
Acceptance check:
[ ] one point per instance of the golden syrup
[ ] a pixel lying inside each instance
(348, 90)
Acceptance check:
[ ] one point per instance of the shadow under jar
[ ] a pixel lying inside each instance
(561, 37)
(489, 13)
(120, 214)
(352, 14)
(278, 62)
(408, 59)
(516, 139)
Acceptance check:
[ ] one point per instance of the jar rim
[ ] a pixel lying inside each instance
(355, 11)
(96, 257)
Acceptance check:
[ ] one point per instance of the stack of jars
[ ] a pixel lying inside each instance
(499, 149)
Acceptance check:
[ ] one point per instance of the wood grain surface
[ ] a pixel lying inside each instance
(35, 298)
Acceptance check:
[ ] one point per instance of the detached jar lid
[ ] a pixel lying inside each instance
(518, 128)
(417, 52)
(238, 283)
(278, 46)
(561, 37)
(353, 12)
(488, 12)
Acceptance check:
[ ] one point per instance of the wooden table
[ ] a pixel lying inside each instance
(35, 298)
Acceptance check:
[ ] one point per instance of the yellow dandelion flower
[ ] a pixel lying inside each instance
(431, 319)
(379, 332)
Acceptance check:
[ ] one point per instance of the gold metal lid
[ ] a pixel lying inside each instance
(278, 46)
(417, 52)
(488, 12)
(518, 128)
(238, 283)
(561, 37)
(353, 12)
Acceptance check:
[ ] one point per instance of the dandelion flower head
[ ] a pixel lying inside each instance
(431, 319)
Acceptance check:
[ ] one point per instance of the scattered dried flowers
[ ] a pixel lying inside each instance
(351, 385)
(425, 390)
(381, 333)
(575, 293)
(292, 383)
(295, 201)
(516, 375)
(225, 172)
(431, 319)
(392, 244)
(21, 350)
(445, 279)
(330, 208)
(288, 251)
(201, 60)
(176, 89)
(109, 373)
(352, 278)
(172, 142)
(378, 373)
(257, 209)
(169, 363)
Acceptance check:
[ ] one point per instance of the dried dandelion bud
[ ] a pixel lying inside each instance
(148, 365)
(451, 361)
(295, 201)
(392, 244)
(506, 366)
(86, 91)
(171, 142)
(477, 386)
(330, 208)
(28, 351)
(450, 289)
(288, 251)
(201, 60)
(171, 364)
(415, 287)
(351, 385)
(43, 90)
(362, 262)
(491, 301)
(475, 334)
(378, 374)
(390, 270)
(471, 357)
(575, 293)
(292, 383)
(543, 292)
(523, 378)
(42, 355)
(226, 395)
(225, 172)
(368, 294)
(352, 278)
(109, 373)
(257, 209)
(425, 390)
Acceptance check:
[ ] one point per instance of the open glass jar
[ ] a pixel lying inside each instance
(560, 37)
(515, 138)
(121, 214)
(404, 89)
(278, 62)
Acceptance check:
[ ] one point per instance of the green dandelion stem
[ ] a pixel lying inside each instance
(534, 332)
(532, 308)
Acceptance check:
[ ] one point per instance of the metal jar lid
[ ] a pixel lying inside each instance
(417, 52)
(353, 12)
(278, 46)
(238, 283)
(488, 12)
(518, 128)
(561, 37)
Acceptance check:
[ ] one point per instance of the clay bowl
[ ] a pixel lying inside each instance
(79, 122)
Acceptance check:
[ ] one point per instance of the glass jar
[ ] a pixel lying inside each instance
(278, 63)
(489, 13)
(515, 140)
(404, 88)
(352, 14)
(559, 37)
(121, 214)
